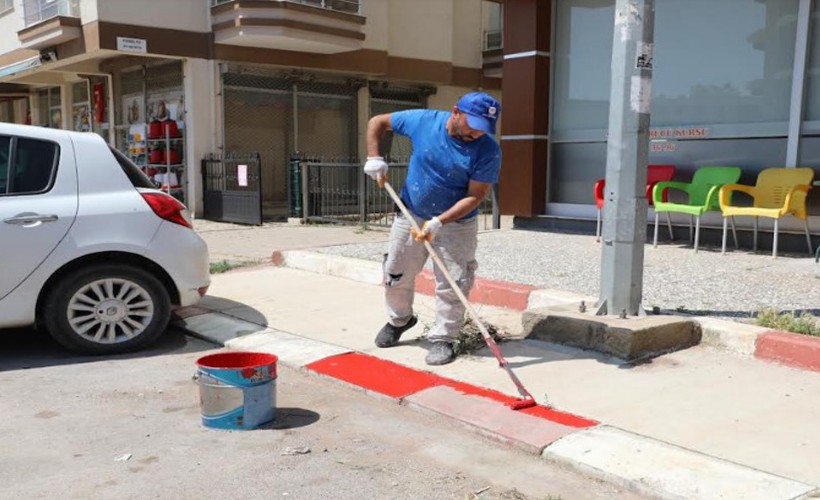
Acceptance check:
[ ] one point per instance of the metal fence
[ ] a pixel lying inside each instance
(339, 192)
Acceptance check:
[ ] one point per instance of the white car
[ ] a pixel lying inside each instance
(89, 249)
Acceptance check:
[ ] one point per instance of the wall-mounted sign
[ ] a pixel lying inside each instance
(662, 146)
(242, 175)
(678, 133)
(139, 45)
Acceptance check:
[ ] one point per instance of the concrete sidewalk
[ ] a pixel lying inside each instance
(701, 423)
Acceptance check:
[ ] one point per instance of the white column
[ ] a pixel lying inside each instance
(363, 110)
(200, 103)
(66, 105)
(34, 106)
(20, 106)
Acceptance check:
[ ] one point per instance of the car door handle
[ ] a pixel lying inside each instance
(28, 219)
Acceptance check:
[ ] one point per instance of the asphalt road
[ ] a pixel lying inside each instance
(66, 420)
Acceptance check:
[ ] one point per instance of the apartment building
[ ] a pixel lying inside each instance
(172, 82)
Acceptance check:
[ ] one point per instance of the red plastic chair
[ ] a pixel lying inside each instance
(654, 175)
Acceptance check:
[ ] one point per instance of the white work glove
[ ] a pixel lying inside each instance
(376, 168)
(428, 230)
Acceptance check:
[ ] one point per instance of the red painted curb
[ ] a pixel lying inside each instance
(489, 292)
(397, 381)
(792, 349)
(277, 258)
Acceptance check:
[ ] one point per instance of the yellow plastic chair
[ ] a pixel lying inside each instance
(777, 192)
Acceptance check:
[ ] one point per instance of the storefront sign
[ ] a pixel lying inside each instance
(242, 175)
(139, 45)
(662, 147)
(678, 133)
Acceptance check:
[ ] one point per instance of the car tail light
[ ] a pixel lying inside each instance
(168, 208)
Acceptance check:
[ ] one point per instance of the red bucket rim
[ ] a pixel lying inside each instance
(237, 359)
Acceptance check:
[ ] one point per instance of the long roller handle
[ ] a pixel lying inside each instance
(470, 310)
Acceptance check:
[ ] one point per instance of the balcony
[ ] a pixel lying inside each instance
(493, 53)
(49, 22)
(314, 26)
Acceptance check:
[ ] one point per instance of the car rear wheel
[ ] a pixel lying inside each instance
(107, 309)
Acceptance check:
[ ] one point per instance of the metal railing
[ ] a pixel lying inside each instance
(349, 6)
(37, 11)
(493, 39)
(340, 192)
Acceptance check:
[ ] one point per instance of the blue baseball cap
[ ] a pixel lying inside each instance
(482, 111)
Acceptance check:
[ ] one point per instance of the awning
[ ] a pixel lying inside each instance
(19, 67)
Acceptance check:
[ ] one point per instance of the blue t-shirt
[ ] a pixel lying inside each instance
(441, 167)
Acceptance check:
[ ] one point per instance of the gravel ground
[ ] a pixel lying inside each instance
(734, 285)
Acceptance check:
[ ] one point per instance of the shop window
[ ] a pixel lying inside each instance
(582, 64)
(727, 62)
(81, 107)
(50, 102)
(716, 63)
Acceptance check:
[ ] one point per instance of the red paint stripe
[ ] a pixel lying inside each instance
(800, 351)
(375, 374)
(489, 292)
(397, 381)
(559, 417)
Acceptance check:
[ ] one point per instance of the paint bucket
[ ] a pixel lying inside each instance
(237, 390)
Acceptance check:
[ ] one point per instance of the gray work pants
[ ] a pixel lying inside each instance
(456, 244)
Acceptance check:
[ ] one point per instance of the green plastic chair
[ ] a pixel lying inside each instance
(703, 197)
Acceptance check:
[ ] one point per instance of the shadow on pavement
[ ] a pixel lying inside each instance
(22, 349)
(233, 308)
(521, 353)
(291, 418)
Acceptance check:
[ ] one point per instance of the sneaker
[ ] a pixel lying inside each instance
(440, 354)
(389, 335)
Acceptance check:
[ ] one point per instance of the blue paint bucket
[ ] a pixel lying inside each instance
(237, 390)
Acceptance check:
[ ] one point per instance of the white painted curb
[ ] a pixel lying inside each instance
(363, 271)
(653, 467)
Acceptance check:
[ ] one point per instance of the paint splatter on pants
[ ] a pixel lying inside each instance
(456, 245)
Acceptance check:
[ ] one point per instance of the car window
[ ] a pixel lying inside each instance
(32, 164)
(5, 147)
(135, 175)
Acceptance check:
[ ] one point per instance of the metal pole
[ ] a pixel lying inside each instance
(625, 204)
(305, 191)
(496, 210)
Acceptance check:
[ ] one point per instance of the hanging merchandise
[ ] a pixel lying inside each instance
(99, 102)
(152, 98)
(155, 130)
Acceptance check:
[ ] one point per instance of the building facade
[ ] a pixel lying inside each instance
(735, 82)
(170, 83)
